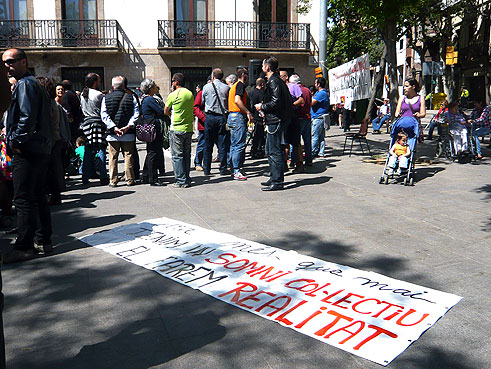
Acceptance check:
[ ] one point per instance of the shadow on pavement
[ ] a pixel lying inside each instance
(486, 189)
(306, 182)
(422, 173)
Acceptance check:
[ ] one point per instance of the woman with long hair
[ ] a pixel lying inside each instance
(94, 130)
(411, 107)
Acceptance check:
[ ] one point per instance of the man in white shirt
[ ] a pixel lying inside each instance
(382, 116)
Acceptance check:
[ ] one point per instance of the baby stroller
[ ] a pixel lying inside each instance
(411, 127)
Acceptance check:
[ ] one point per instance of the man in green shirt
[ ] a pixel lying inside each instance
(179, 106)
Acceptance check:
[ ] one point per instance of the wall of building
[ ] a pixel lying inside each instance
(231, 10)
(44, 9)
(138, 19)
(312, 17)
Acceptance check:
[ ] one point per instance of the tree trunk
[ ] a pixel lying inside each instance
(390, 44)
(378, 79)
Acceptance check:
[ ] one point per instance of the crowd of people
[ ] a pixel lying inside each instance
(51, 133)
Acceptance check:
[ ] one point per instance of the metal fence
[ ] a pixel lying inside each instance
(59, 33)
(234, 34)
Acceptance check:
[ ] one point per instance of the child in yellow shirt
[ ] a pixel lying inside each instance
(399, 152)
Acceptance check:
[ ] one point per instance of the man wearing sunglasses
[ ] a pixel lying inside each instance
(29, 138)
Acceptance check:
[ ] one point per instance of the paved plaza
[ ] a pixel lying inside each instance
(83, 308)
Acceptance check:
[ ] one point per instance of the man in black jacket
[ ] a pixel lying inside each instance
(30, 138)
(277, 110)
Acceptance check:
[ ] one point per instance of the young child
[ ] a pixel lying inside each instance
(98, 161)
(399, 152)
(80, 151)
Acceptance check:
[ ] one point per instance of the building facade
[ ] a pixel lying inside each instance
(66, 39)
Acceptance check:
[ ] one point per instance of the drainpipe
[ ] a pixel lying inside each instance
(323, 37)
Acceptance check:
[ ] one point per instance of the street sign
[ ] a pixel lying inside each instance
(451, 56)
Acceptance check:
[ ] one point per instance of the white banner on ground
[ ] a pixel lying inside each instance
(365, 313)
(350, 82)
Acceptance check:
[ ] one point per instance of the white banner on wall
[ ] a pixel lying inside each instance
(350, 82)
(365, 313)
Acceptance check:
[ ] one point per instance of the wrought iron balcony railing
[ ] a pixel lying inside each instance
(61, 33)
(233, 34)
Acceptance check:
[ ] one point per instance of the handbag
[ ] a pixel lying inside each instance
(5, 162)
(145, 129)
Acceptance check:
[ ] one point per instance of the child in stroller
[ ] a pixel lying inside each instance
(399, 154)
(405, 131)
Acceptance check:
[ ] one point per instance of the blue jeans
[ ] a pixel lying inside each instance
(200, 147)
(431, 128)
(215, 132)
(94, 159)
(274, 151)
(481, 131)
(318, 143)
(306, 133)
(238, 133)
(379, 122)
(180, 146)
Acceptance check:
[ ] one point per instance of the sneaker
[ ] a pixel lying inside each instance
(390, 172)
(176, 185)
(199, 168)
(239, 176)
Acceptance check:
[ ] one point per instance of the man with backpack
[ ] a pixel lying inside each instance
(119, 112)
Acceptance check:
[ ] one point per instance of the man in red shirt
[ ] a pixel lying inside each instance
(199, 112)
(303, 114)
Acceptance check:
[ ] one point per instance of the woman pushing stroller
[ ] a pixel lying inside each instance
(411, 104)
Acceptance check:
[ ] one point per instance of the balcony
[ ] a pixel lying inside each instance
(234, 35)
(62, 34)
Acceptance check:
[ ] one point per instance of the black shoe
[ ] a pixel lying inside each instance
(267, 183)
(272, 188)
(157, 184)
(43, 249)
(225, 172)
(104, 181)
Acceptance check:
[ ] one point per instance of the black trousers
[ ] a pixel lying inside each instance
(258, 139)
(154, 161)
(33, 213)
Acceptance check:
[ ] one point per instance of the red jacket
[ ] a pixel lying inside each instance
(198, 110)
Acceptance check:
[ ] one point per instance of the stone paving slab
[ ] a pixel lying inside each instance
(83, 308)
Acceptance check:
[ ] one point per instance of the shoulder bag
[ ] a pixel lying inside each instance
(145, 128)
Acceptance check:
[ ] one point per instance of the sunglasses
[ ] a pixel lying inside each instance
(11, 61)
